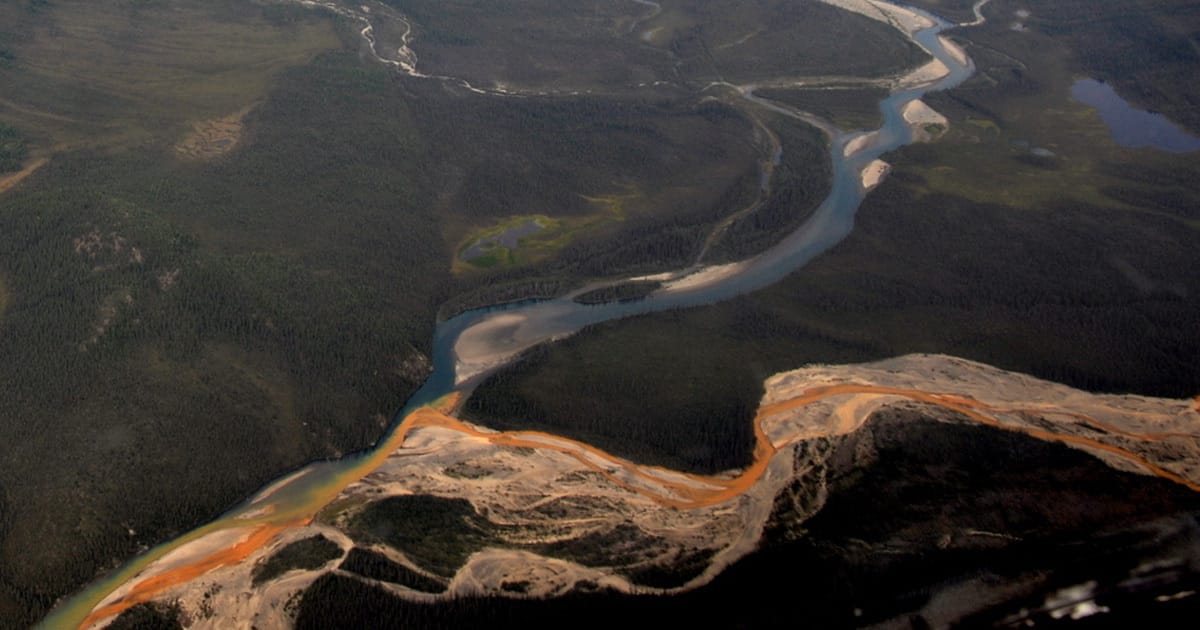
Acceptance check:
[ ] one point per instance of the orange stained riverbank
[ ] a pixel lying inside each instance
(669, 488)
(266, 521)
(978, 411)
(148, 589)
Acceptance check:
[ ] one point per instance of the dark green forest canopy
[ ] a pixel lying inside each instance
(12, 149)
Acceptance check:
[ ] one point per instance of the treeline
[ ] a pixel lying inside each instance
(801, 181)
(308, 553)
(848, 107)
(1171, 188)
(757, 41)
(149, 616)
(376, 566)
(13, 150)
(622, 292)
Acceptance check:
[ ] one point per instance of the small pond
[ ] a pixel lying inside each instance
(508, 238)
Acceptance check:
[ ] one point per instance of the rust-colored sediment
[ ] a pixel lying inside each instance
(694, 491)
(147, 589)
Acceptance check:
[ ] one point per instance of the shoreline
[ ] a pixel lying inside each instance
(955, 50)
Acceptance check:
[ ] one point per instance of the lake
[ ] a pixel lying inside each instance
(1133, 128)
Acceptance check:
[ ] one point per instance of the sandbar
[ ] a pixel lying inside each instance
(874, 173)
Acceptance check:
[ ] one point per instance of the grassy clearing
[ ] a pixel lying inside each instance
(552, 236)
(127, 74)
(628, 184)
(488, 241)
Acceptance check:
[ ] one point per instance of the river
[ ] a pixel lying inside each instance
(471, 345)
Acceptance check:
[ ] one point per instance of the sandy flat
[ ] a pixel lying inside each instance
(703, 278)
(907, 18)
(859, 143)
(931, 72)
(488, 343)
(874, 173)
(955, 50)
(904, 19)
(917, 113)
